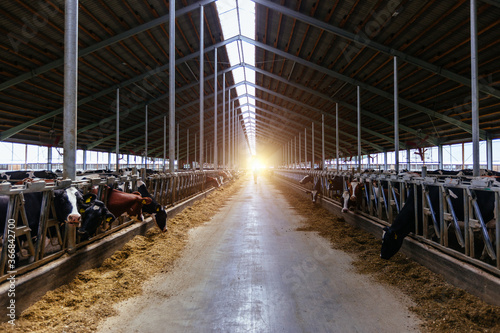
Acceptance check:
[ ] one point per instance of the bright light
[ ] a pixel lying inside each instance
(240, 53)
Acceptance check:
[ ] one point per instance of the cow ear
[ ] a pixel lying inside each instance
(395, 236)
(146, 200)
(89, 197)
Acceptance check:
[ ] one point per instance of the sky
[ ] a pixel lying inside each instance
(240, 52)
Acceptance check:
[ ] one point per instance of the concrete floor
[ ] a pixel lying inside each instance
(249, 270)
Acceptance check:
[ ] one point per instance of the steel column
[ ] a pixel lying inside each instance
(216, 164)
(312, 146)
(117, 141)
(70, 88)
(305, 146)
(202, 79)
(300, 151)
(187, 147)
(337, 134)
(359, 128)
(146, 139)
(322, 142)
(171, 86)
(165, 142)
(224, 120)
(474, 89)
(396, 115)
(178, 151)
(489, 154)
(440, 156)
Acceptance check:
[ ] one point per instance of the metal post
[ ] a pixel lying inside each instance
(84, 166)
(359, 129)
(117, 147)
(312, 146)
(195, 150)
(396, 116)
(70, 88)
(146, 139)
(215, 112)
(178, 159)
(385, 160)
(202, 79)
(408, 159)
(49, 158)
(171, 86)
(223, 120)
(187, 147)
(337, 135)
(489, 154)
(229, 124)
(300, 151)
(294, 140)
(474, 89)
(322, 142)
(440, 156)
(165, 142)
(109, 160)
(305, 146)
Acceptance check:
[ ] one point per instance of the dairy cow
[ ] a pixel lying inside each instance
(119, 202)
(154, 208)
(70, 206)
(316, 186)
(404, 223)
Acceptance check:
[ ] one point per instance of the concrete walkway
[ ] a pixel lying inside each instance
(249, 270)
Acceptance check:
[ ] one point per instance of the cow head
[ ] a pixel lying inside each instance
(391, 243)
(161, 219)
(92, 218)
(306, 179)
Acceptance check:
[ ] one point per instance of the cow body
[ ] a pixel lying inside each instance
(154, 208)
(404, 222)
(119, 203)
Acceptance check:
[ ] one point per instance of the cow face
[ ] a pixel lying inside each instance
(67, 205)
(92, 218)
(161, 219)
(391, 243)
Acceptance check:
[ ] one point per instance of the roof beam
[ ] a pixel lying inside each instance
(466, 127)
(107, 42)
(363, 40)
(14, 130)
(432, 140)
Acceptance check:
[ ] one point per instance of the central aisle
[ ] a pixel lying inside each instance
(249, 270)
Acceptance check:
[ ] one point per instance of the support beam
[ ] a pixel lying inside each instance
(202, 80)
(171, 87)
(364, 86)
(70, 87)
(474, 89)
(396, 116)
(359, 38)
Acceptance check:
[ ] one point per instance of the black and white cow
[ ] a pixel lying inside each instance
(404, 223)
(15, 176)
(154, 208)
(316, 181)
(70, 205)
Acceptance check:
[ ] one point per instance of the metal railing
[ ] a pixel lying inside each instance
(471, 236)
(21, 252)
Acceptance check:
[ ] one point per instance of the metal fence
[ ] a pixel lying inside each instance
(471, 237)
(52, 239)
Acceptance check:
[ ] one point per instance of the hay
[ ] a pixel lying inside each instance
(442, 306)
(80, 305)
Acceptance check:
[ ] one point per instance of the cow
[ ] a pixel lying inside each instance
(404, 223)
(316, 186)
(154, 208)
(212, 181)
(349, 191)
(70, 206)
(119, 202)
(15, 176)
